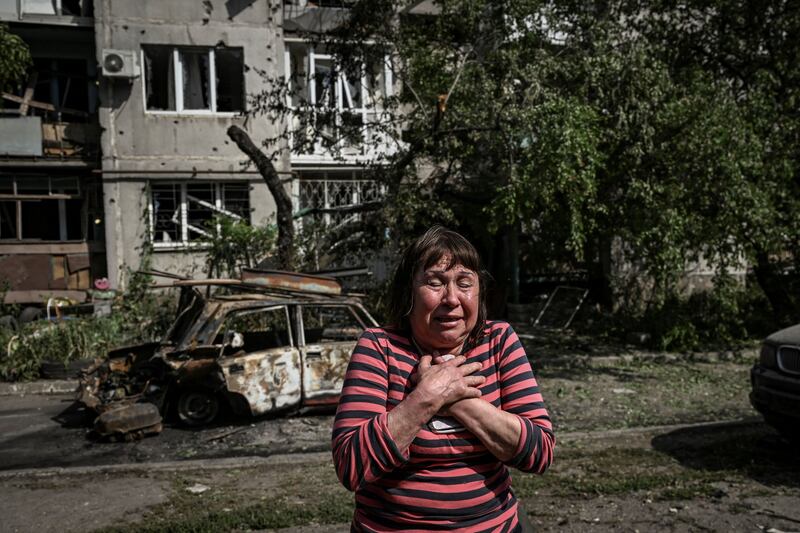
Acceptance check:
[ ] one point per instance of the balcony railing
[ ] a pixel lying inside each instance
(35, 136)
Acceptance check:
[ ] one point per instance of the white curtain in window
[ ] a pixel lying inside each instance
(195, 80)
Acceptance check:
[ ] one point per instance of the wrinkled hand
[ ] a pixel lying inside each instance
(447, 381)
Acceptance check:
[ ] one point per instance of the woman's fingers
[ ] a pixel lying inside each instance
(474, 381)
(466, 370)
(471, 392)
(424, 363)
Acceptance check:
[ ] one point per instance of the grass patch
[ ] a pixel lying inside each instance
(304, 495)
(645, 394)
(279, 513)
(581, 472)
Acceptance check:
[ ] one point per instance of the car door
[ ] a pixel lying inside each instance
(260, 361)
(328, 336)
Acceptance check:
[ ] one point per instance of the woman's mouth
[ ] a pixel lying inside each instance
(447, 320)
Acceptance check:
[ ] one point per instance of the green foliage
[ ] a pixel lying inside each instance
(138, 315)
(15, 58)
(234, 244)
(723, 318)
(671, 128)
(65, 341)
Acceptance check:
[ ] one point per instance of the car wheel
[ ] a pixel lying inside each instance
(8, 322)
(29, 314)
(197, 407)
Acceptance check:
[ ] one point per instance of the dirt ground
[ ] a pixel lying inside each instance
(642, 446)
(736, 476)
(709, 477)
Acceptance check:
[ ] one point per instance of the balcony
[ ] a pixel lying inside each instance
(51, 12)
(307, 16)
(53, 115)
(40, 137)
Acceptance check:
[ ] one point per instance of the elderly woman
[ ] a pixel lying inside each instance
(435, 407)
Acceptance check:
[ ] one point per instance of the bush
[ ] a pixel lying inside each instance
(64, 341)
(137, 316)
(723, 318)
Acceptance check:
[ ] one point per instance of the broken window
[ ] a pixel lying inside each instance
(335, 107)
(329, 323)
(183, 213)
(257, 330)
(193, 79)
(73, 8)
(41, 208)
(160, 78)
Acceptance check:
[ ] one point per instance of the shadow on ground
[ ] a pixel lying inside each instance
(754, 450)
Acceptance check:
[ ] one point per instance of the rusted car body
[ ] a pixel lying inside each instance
(266, 347)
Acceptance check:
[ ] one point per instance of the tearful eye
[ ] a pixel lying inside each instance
(434, 283)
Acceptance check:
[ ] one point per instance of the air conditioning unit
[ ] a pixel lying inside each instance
(120, 64)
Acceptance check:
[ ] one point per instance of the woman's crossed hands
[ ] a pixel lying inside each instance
(447, 381)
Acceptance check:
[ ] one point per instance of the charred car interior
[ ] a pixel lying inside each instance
(270, 342)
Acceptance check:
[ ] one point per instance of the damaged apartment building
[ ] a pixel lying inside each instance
(117, 139)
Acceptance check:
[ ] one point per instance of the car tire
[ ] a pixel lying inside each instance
(8, 322)
(197, 407)
(30, 314)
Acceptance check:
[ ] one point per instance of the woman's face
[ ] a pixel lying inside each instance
(445, 306)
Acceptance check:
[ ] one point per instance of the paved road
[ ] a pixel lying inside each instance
(46, 431)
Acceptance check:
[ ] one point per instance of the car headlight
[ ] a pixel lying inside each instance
(767, 357)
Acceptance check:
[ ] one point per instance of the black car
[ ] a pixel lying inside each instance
(775, 379)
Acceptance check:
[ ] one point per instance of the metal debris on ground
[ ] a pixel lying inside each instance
(197, 488)
(561, 308)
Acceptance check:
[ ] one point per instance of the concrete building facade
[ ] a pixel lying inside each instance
(160, 83)
(168, 166)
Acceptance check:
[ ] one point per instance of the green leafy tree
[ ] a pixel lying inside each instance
(666, 130)
(235, 244)
(15, 58)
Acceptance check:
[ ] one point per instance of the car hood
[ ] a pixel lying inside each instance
(790, 335)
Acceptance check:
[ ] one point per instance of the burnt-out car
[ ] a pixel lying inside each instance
(775, 380)
(268, 345)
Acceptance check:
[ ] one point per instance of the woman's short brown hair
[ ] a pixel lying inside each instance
(422, 254)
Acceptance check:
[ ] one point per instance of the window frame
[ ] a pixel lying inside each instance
(324, 177)
(368, 105)
(183, 212)
(18, 198)
(177, 80)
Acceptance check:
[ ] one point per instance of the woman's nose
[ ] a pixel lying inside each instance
(449, 297)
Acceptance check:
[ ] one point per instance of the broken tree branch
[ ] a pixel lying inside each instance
(283, 201)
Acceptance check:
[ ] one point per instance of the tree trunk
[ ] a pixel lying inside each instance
(283, 202)
(599, 266)
(775, 289)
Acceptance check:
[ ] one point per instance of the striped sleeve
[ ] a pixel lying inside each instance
(363, 448)
(520, 396)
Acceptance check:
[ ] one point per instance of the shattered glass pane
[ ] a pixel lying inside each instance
(159, 77)
(324, 83)
(229, 66)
